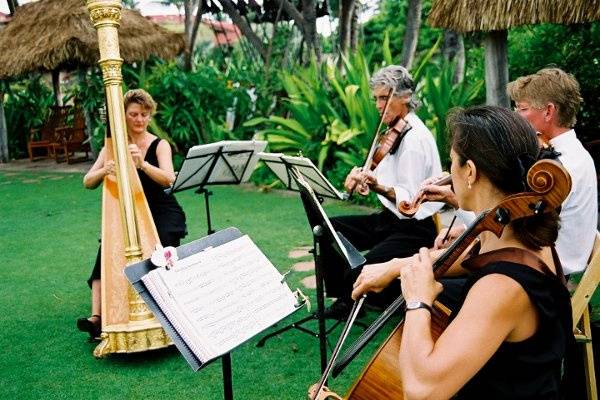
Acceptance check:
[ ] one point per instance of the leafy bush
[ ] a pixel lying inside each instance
(27, 105)
(329, 114)
(573, 48)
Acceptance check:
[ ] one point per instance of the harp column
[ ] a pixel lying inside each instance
(143, 332)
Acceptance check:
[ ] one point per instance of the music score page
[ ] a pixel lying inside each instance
(224, 295)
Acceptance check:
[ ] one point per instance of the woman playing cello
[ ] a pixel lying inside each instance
(508, 336)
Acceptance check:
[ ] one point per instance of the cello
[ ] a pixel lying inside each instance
(550, 184)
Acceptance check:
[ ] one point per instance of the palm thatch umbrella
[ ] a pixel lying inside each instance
(54, 35)
(495, 17)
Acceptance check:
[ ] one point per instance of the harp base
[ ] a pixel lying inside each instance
(134, 337)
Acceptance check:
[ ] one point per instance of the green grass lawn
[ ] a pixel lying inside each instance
(49, 229)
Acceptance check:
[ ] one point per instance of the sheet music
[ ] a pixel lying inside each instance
(226, 295)
(280, 163)
(206, 159)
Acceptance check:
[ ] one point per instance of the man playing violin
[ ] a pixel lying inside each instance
(387, 234)
(549, 101)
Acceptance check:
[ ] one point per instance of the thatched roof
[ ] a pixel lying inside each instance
(490, 15)
(51, 34)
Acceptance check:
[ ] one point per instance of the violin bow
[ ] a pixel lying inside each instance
(550, 184)
(375, 137)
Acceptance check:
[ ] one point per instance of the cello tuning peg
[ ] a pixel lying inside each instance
(503, 216)
(537, 207)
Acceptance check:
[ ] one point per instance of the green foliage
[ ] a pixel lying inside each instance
(90, 95)
(391, 22)
(330, 113)
(439, 94)
(193, 105)
(27, 106)
(575, 49)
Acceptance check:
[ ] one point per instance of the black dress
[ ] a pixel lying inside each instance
(168, 215)
(530, 369)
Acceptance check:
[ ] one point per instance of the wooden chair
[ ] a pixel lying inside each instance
(46, 137)
(581, 316)
(72, 139)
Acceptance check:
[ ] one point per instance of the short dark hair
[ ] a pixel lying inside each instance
(503, 146)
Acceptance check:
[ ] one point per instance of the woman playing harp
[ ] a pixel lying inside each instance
(152, 158)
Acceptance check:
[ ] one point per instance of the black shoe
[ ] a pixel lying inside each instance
(340, 310)
(92, 327)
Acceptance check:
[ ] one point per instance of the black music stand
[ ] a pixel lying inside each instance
(282, 165)
(323, 233)
(221, 163)
(134, 274)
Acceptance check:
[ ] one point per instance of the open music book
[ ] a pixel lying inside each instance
(220, 297)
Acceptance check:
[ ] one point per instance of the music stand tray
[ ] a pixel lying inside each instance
(221, 163)
(282, 165)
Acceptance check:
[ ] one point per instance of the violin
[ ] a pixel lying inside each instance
(384, 144)
(550, 184)
(410, 209)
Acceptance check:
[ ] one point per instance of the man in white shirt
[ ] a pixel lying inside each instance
(549, 100)
(387, 234)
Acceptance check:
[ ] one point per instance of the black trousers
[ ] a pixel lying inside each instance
(166, 238)
(384, 236)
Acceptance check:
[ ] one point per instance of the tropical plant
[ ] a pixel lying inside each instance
(27, 105)
(439, 95)
(330, 113)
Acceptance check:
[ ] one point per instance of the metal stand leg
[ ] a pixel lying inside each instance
(207, 193)
(317, 234)
(227, 377)
(322, 331)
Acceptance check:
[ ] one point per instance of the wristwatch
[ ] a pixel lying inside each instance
(415, 305)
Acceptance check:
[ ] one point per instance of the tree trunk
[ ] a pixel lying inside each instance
(346, 14)
(354, 30)
(191, 24)
(454, 51)
(411, 35)
(306, 23)
(496, 68)
(4, 158)
(56, 87)
(231, 10)
(309, 13)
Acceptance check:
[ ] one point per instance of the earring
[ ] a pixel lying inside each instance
(469, 184)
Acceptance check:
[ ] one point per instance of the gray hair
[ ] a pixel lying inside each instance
(398, 78)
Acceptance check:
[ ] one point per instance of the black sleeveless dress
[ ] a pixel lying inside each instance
(530, 369)
(168, 215)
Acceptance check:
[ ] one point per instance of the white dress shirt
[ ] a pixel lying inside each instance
(579, 212)
(416, 159)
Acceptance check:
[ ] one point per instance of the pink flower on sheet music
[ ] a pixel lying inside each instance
(164, 256)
